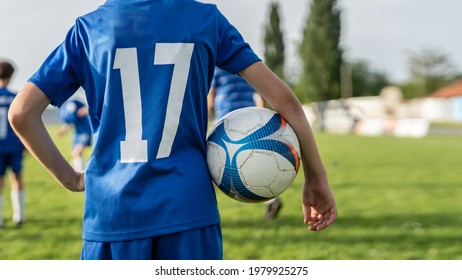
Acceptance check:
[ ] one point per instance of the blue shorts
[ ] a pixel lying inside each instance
(197, 244)
(13, 160)
(83, 139)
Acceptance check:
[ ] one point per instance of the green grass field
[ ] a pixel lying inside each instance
(397, 199)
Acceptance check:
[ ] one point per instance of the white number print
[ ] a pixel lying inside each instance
(3, 122)
(134, 148)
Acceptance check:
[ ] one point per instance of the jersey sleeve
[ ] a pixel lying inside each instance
(58, 76)
(234, 54)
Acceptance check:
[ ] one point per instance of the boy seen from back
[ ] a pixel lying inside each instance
(11, 149)
(146, 68)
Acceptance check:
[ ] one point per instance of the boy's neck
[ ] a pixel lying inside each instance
(3, 83)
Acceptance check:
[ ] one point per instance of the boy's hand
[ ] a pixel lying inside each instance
(318, 205)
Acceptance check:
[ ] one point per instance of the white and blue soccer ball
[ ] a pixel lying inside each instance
(253, 154)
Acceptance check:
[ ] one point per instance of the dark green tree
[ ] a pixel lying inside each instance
(366, 81)
(274, 42)
(320, 53)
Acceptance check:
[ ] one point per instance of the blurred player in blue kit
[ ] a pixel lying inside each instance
(146, 68)
(74, 114)
(230, 92)
(11, 148)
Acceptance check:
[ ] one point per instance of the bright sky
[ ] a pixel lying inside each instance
(382, 32)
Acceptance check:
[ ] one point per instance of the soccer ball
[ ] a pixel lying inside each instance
(253, 154)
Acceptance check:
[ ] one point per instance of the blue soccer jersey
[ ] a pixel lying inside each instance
(9, 142)
(69, 114)
(146, 68)
(231, 92)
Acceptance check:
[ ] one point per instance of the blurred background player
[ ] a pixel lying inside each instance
(230, 92)
(75, 114)
(11, 148)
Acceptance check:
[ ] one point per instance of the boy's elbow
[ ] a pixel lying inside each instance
(20, 118)
(17, 117)
(27, 107)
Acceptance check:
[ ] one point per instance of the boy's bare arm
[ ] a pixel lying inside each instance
(318, 202)
(25, 116)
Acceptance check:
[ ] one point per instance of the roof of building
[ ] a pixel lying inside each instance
(454, 89)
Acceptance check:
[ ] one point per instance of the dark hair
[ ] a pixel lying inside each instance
(6, 70)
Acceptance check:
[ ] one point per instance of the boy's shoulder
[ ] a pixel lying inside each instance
(6, 96)
(7, 91)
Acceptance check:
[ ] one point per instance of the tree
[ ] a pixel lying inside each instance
(274, 42)
(321, 53)
(365, 80)
(430, 70)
